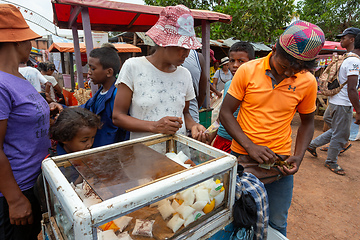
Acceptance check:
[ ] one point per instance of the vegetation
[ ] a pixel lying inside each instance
(264, 20)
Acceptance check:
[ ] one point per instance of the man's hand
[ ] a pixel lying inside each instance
(20, 212)
(167, 125)
(261, 154)
(294, 161)
(198, 133)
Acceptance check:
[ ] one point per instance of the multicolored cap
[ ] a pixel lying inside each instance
(175, 27)
(302, 40)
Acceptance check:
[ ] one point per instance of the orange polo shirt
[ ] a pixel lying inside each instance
(266, 111)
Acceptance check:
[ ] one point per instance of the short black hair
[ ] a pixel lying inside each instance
(108, 58)
(357, 42)
(296, 64)
(243, 47)
(42, 66)
(70, 120)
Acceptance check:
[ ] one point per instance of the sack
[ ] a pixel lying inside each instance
(264, 175)
(329, 84)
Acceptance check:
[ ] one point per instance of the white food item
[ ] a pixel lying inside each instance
(143, 228)
(198, 214)
(202, 195)
(107, 235)
(175, 223)
(188, 196)
(89, 201)
(185, 210)
(159, 203)
(166, 210)
(175, 205)
(182, 157)
(199, 205)
(189, 220)
(216, 189)
(124, 236)
(122, 222)
(171, 155)
(219, 198)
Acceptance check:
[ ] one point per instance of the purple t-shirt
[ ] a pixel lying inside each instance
(28, 118)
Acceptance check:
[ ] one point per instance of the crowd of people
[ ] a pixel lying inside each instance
(162, 93)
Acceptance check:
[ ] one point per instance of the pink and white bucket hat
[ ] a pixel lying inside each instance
(175, 27)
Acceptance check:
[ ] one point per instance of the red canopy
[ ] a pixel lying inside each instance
(118, 16)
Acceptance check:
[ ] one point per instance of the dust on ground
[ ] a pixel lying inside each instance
(325, 205)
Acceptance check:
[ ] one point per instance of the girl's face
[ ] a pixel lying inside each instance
(177, 55)
(83, 140)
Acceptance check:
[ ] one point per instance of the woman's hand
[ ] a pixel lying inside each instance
(198, 133)
(20, 212)
(167, 125)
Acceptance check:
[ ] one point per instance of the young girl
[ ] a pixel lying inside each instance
(74, 130)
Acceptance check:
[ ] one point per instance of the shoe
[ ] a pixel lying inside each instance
(312, 151)
(334, 167)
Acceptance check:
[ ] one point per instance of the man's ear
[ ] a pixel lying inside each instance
(109, 72)
(273, 49)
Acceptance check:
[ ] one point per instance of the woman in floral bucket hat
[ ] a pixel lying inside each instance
(156, 90)
(24, 124)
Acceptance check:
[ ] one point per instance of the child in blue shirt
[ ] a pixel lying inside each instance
(104, 65)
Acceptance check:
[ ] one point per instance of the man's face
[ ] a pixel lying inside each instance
(346, 41)
(282, 66)
(236, 59)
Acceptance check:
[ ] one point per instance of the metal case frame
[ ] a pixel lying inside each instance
(86, 220)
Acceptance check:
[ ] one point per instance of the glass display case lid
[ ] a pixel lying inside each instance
(112, 172)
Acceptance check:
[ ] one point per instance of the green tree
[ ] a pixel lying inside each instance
(252, 20)
(333, 16)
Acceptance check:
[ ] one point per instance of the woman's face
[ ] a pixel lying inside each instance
(176, 55)
(225, 67)
(24, 49)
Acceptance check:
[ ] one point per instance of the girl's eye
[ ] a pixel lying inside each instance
(84, 141)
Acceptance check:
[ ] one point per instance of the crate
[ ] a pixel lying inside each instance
(205, 117)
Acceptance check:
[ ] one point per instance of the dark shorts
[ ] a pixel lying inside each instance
(22, 232)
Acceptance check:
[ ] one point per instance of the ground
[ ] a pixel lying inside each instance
(325, 205)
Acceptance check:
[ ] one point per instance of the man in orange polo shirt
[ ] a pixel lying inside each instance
(269, 91)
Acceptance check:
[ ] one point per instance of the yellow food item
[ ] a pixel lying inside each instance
(109, 225)
(179, 201)
(217, 182)
(209, 207)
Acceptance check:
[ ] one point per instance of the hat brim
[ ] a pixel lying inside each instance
(221, 64)
(340, 35)
(17, 35)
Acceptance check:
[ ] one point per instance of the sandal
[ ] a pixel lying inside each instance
(342, 150)
(312, 151)
(345, 148)
(334, 167)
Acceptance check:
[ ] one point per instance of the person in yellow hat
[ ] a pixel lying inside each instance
(24, 126)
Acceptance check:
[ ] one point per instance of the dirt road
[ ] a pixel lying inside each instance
(326, 205)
